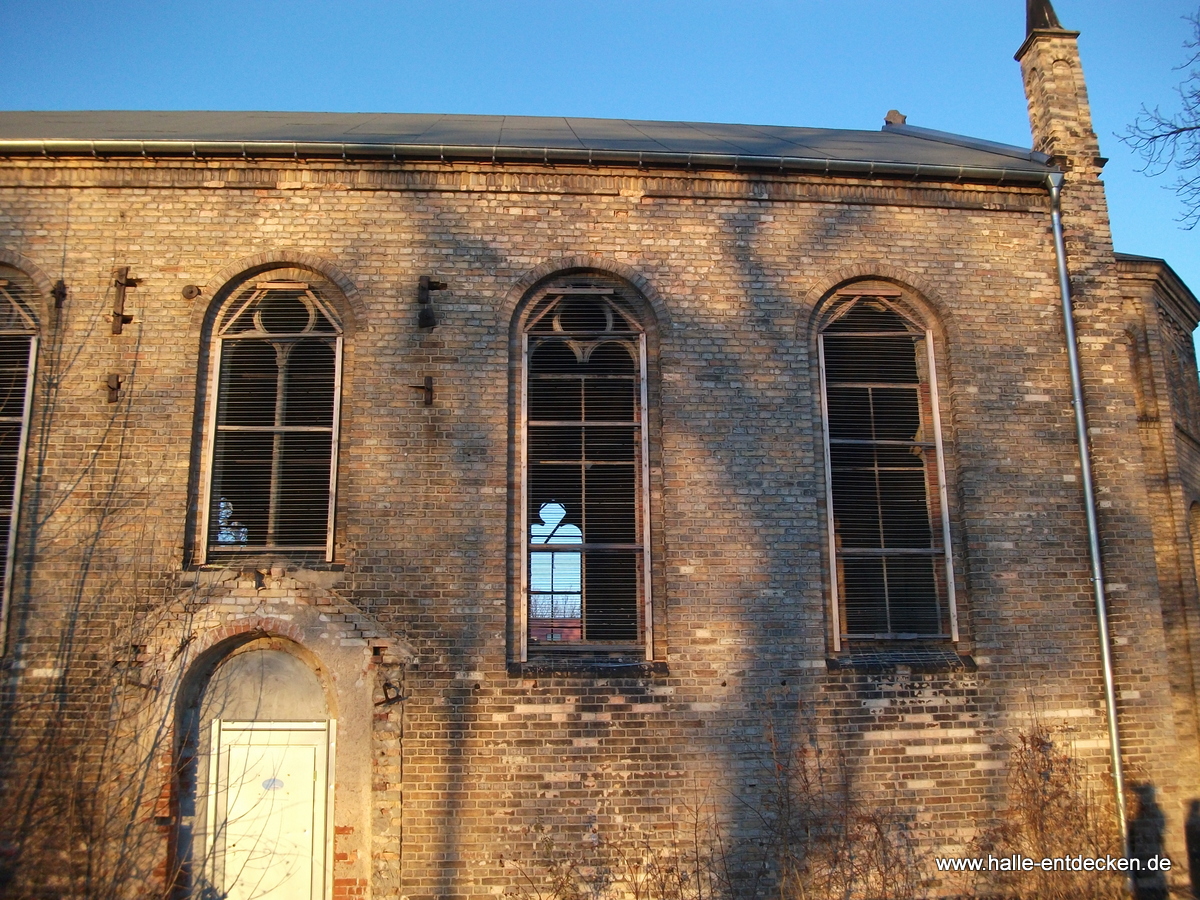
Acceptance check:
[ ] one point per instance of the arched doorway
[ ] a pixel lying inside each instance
(256, 753)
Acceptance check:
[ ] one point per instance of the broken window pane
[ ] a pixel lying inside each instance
(583, 450)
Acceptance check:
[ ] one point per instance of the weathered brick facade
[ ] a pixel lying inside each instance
(455, 758)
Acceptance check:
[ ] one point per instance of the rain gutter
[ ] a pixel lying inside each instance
(1054, 183)
(535, 155)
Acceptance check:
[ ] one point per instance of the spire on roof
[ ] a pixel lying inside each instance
(1040, 14)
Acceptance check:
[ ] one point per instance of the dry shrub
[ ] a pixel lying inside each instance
(825, 840)
(1054, 810)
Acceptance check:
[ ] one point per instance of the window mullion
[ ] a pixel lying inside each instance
(523, 449)
(10, 551)
(583, 515)
(334, 437)
(282, 355)
(643, 488)
(835, 606)
(879, 510)
(210, 450)
(943, 493)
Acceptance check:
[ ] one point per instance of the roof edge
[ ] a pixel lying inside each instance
(1174, 287)
(532, 154)
(961, 140)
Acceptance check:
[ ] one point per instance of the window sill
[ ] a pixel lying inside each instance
(291, 560)
(587, 665)
(892, 660)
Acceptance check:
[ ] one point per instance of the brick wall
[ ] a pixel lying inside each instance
(478, 762)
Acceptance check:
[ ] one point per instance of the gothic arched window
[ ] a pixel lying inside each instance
(273, 422)
(583, 405)
(889, 530)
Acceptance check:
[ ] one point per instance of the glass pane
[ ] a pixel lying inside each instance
(610, 442)
(869, 315)
(10, 445)
(309, 383)
(612, 358)
(905, 513)
(279, 312)
(553, 356)
(611, 399)
(864, 595)
(611, 612)
(849, 413)
(14, 368)
(913, 595)
(583, 315)
(558, 399)
(549, 443)
(302, 506)
(241, 488)
(249, 382)
(856, 509)
(897, 414)
(857, 359)
(556, 485)
(611, 505)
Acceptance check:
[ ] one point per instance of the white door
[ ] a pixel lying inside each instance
(268, 803)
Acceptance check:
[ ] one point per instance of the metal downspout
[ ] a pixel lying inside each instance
(1054, 183)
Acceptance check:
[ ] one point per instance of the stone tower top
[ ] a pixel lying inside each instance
(1039, 14)
(1059, 114)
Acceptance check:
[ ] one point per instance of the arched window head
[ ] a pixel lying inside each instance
(18, 356)
(584, 470)
(889, 530)
(273, 419)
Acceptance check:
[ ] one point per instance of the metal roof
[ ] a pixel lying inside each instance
(897, 150)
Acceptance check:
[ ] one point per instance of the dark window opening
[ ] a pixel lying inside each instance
(275, 439)
(584, 433)
(885, 482)
(18, 354)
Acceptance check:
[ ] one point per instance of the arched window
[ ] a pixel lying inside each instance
(18, 356)
(889, 529)
(273, 421)
(584, 471)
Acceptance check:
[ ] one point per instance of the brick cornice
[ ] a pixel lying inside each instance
(634, 185)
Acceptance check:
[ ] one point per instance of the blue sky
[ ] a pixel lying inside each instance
(947, 65)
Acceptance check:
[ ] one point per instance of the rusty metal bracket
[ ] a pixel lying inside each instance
(121, 281)
(425, 314)
(114, 383)
(427, 387)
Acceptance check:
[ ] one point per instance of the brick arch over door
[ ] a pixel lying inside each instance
(256, 713)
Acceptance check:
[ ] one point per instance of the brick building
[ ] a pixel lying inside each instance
(298, 405)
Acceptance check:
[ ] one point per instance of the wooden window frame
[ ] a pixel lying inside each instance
(644, 644)
(842, 303)
(229, 314)
(30, 331)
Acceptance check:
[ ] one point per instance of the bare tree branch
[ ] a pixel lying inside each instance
(1172, 141)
